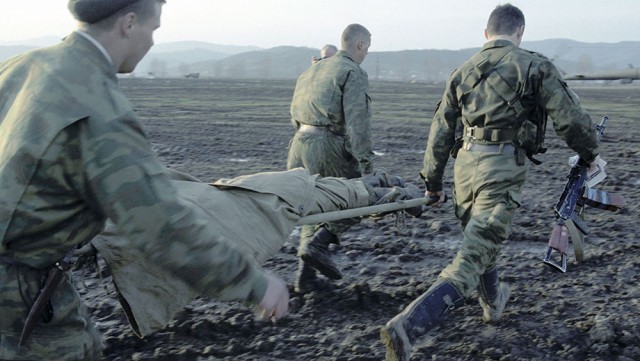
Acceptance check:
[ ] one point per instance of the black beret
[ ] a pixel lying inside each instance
(91, 11)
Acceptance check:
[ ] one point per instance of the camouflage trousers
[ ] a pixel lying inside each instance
(487, 193)
(70, 335)
(323, 154)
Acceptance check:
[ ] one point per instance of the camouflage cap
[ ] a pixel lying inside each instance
(91, 11)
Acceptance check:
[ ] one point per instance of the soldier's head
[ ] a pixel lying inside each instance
(124, 27)
(506, 21)
(328, 51)
(356, 40)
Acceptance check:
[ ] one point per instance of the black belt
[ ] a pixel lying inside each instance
(504, 148)
(489, 134)
(312, 129)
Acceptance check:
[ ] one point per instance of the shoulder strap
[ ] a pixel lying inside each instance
(485, 69)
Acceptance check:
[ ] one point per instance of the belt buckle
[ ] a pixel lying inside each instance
(470, 132)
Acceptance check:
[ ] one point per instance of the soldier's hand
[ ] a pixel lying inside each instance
(275, 302)
(573, 161)
(436, 199)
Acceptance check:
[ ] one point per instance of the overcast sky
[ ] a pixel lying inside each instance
(395, 24)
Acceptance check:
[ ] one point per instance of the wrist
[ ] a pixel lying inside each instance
(433, 187)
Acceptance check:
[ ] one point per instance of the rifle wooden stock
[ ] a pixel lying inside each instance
(561, 235)
(603, 200)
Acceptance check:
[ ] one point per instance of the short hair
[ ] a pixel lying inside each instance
(144, 9)
(352, 34)
(329, 47)
(505, 20)
(328, 50)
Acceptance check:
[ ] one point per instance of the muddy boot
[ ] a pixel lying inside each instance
(423, 314)
(493, 295)
(316, 253)
(306, 278)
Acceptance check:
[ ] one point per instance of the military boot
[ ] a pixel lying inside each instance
(306, 278)
(493, 295)
(423, 314)
(316, 253)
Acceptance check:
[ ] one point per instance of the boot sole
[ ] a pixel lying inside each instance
(328, 271)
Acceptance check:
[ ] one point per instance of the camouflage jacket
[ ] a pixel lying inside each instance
(467, 102)
(73, 153)
(334, 93)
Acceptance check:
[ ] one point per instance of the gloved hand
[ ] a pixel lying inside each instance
(275, 302)
(436, 199)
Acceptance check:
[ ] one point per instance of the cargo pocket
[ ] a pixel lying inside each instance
(457, 210)
(501, 218)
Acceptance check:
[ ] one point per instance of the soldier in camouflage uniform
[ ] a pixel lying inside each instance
(498, 98)
(331, 113)
(72, 154)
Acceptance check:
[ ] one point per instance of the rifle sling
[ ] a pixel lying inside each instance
(576, 238)
(579, 223)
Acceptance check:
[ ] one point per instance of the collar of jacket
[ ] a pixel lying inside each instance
(344, 54)
(91, 52)
(499, 43)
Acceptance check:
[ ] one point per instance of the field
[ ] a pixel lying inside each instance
(215, 129)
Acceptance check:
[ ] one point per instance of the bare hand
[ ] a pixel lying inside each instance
(275, 302)
(436, 199)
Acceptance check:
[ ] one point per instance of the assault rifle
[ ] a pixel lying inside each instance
(569, 223)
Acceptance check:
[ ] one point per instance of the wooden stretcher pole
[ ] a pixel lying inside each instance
(362, 211)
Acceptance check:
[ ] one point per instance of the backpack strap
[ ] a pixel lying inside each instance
(484, 69)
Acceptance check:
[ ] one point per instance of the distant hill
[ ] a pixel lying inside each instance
(427, 65)
(7, 51)
(34, 42)
(189, 45)
(282, 62)
(11, 48)
(177, 59)
(577, 57)
(415, 65)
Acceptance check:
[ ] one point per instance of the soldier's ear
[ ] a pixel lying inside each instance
(127, 23)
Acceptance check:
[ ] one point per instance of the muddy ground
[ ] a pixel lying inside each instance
(224, 129)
